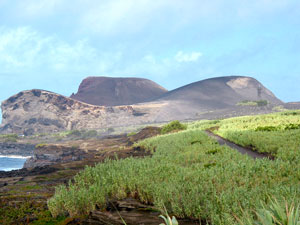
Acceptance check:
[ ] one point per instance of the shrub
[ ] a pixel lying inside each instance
(173, 126)
(292, 126)
(131, 134)
(74, 133)
(267, 128)
(262, 102)
(41, 145)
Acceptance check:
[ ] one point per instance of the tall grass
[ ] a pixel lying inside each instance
(190, 174)
(282, 141)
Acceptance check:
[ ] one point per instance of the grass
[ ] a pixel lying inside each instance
(277, 133)
(277, 212)
(192, 175)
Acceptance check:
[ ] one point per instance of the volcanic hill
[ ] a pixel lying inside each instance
(38, 111)
(110, 91)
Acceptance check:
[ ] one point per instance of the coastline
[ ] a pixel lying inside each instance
(15, 156)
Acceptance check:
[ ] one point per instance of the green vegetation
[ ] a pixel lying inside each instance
(41, 145)
(193, 176)
(279, 108)
(26, 210)
(173, 126)
(277, 134)
(277, 213)
(253, 103)
(9, 137)
(131, 134)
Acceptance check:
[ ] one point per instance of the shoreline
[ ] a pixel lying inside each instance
(15, 156)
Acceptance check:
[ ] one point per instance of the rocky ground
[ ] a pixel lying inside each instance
(24, 193)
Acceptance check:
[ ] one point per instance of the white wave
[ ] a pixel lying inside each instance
(9, 169)
(15, 156)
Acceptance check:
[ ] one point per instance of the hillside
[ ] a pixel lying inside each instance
(221, 92)
(110, 91)
(39, 111)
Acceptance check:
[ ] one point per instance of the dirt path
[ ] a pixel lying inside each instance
(242, 150)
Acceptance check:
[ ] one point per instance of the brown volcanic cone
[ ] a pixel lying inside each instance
(221, 92)
(110, 91)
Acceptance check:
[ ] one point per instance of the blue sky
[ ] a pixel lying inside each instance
(54, 44)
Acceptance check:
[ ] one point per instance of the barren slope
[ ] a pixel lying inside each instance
(110, 91)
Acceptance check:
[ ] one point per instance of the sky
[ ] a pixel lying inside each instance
(54, 44)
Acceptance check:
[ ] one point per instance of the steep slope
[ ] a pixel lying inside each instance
(215, 98)
(221, 92)
(110, 91)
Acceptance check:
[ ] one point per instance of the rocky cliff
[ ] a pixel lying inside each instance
(51, 154)
(111, 91)
(38, 111)
(25, 150)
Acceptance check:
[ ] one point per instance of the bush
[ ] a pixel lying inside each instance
(74, 133)
(262, 102)
(131, 134)
(40, 145)
(173, 126)
(292, 126)
(267, 128)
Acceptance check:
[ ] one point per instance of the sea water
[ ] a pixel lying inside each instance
(8, 163)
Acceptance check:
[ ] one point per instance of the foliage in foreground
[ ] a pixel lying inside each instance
(190, 174)
(277, 213)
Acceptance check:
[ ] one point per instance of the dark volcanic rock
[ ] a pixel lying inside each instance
(27, 172)
(7, 148)
(52, 154)
(110, 91)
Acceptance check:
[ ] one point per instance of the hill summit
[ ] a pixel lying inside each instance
(109, 91)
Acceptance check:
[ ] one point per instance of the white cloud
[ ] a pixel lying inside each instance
(25, 50)
(187, 57)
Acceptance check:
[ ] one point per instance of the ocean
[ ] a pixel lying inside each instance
(8, 163)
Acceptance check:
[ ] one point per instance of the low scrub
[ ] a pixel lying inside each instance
(253, 103)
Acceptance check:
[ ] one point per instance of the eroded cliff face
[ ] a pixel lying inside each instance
(38, 111)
